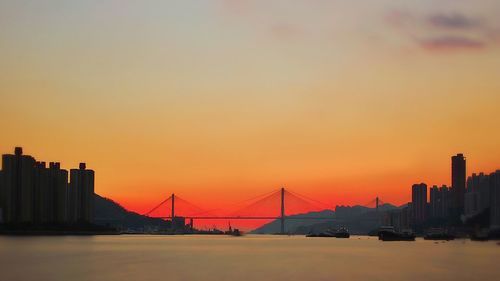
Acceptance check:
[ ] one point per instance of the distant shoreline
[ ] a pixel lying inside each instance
(56, 230)
(56, 233)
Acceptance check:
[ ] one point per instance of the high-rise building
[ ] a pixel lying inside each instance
(81, 195)
(477, 194)
(434, 201)
(458, 174)
(32, 193)
(419, 203)
(50, 188)
(439, 202)
(444, 207)
(495, 200)
(399, 219)
(16, 195)
(42, 193)
(58, 179)
(1, 197)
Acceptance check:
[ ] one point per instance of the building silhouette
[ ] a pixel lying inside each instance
(495, 200)
(477, 194)
(50, 193)
(439, 204)
(458, 174)
(400, 219)
(419, 203)
(81, 194)
(17, 187)
(59, 196)
(32, 193)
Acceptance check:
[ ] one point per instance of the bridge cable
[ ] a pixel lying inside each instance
(158, 206)
(254, 204)
(310, 199)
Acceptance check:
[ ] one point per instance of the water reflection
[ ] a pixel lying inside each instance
(251, 257)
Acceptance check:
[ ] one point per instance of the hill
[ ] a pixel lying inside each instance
(110, 213)
(359, 220)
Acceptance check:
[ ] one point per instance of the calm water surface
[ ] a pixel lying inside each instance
(119, 258)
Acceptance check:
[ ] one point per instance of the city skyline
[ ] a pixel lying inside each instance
(322, 97)
(400, 193)
(34, 193)
(249, 140)
(55, 197)
(39, 197)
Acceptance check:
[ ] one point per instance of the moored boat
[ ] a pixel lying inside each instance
(236, 232)
(438, 234)
(233, 231)
(480, 235)
(342, 233)
(327, 233)
(388, 233)
(339, 233)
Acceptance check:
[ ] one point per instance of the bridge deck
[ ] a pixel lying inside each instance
(251, 218)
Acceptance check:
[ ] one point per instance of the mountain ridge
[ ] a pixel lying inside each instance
(359, 219)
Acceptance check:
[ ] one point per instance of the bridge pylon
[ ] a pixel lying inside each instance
(173, 207)
(282, 217)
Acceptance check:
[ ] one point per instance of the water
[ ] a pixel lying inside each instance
(119, 258)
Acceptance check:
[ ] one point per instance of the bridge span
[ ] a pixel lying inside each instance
(284, 197)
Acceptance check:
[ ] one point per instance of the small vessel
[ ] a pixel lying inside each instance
(342, 232)
(339, 233)
(438, 234)
(327, 233)
(233, 231)
(388, 233)
(480, 235)
(236, 232)
(494, 234)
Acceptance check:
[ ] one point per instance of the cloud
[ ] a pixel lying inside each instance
(451, 43)
(453, 21)
(442, 31)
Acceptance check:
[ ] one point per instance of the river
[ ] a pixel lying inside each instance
(251, 257)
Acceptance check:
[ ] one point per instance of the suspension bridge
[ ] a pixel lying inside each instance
(278, 204)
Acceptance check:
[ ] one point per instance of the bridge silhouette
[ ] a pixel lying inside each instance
(279, 204)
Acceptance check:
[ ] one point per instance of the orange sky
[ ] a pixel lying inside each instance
(219, 101)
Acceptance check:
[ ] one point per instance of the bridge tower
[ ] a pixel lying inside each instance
(173, 208)
(376, 204)
(282, 218)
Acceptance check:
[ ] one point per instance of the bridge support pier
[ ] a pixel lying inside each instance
(282, 218)
(172, 215)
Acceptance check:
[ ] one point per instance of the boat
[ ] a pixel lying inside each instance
(236, 232)
(233, 231)
(438, 234)
(342, 233)
(480, 235)
(494, 234)
(327, 233)
(388, 233)
(339, 233)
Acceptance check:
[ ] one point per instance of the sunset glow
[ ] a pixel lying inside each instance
(219, 101)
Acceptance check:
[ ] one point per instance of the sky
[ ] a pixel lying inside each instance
(222, 100)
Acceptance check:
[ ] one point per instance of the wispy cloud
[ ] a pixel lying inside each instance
(454, 21)
(451, 43)
(442, 31)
